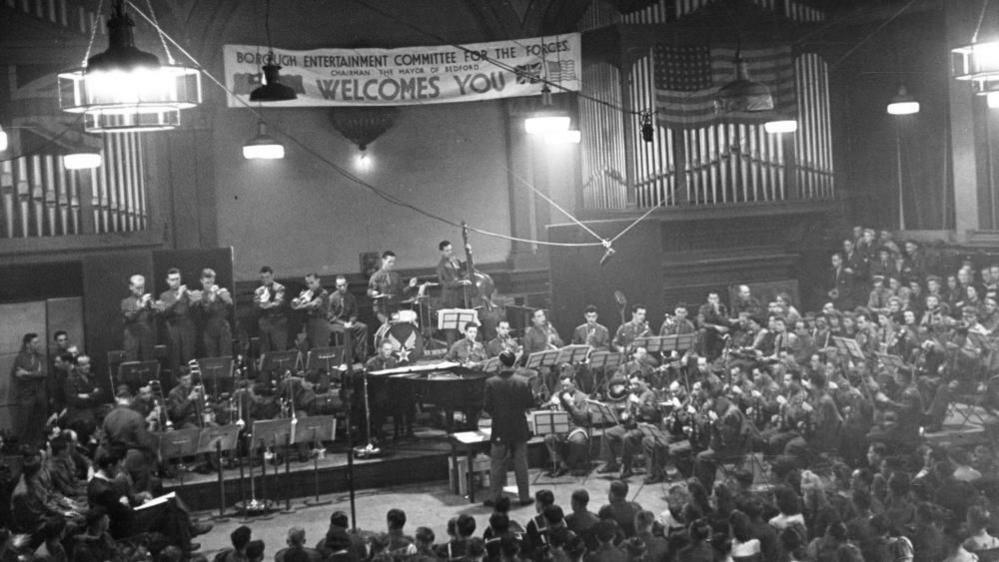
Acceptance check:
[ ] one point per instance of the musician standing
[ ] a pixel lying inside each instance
(503, 341)
(343, 317)
(174, 305)
(215, 303)
(452, 277)
(386, 289)
(273, 324)
(507, 400)
(137, 309)
(314, 300)
(453, 280)
(628, 332)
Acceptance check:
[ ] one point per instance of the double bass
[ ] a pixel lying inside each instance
(479, 294)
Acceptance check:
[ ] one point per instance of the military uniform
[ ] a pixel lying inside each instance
(273, 323)
(140, 333)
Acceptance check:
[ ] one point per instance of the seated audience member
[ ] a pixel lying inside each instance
(537, 538)
(606, 551)
(582, 520)
(62, 470)
(340, 544)
(111, 490)
(979, 539)
(424, 545)
(464, 528)
(620, 509)
(399, 543)
(95, 543)
(699, 549)
(296, 544)
(52, 535)
(240, 539)
(255, 551)
(656, 547)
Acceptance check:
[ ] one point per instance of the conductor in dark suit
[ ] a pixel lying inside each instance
(507, 399)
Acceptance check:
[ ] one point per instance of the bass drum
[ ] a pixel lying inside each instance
(406, 340)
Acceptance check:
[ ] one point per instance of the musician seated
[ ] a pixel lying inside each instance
(185, 402)
(625, 439)
(503, 341)
(400, 404)
(467, 351)
(568, 450)
(641, 365)
(729, 437)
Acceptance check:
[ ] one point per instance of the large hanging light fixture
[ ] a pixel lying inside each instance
(82, 160)
(125, 89)
(743, 94)
(548, 120)
(978, 61)
(4, 141)
(263, 146)
(780, 124)
(903, 103)
(271, 88)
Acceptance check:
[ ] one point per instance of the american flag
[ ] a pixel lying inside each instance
(688, 77)
(558, 71)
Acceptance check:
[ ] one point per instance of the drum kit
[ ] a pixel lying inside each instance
(409, 328)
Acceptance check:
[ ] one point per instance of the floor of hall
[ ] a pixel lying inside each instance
(428, 504)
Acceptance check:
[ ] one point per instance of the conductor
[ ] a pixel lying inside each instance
(507, 399)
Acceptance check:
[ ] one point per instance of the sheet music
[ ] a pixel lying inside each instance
(157, 501)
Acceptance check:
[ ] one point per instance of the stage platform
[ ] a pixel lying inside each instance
(425, 457)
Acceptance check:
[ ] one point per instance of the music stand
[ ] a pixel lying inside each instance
(216, 374)
(280, 361)
(314, 430)
(601, 415)
(572, 354)
(849, 347)
(270, 432)
(492, 365)
(652, 344)
(540, 359)
(136, 374)
(602, 361)
(178, 444)
(891, 361)
(456, 318)
(215, 440)
(685, 342)
(323, 358)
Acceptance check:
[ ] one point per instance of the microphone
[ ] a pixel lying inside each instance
(608, 253)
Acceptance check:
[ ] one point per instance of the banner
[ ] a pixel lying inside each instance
(410, 75)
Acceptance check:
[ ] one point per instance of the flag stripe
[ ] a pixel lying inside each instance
(687, 80)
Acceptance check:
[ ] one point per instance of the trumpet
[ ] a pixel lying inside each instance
(304, 298)
(262, 294)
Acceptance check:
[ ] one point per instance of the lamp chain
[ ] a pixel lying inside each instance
(159, 31)
(93, 32)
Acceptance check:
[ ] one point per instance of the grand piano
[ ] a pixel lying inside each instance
(444, 384)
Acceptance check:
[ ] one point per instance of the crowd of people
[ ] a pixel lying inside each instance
(776, 434)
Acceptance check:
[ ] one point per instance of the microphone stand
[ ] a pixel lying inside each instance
(349, 361)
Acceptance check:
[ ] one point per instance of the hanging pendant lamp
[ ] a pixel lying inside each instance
(125, 89)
